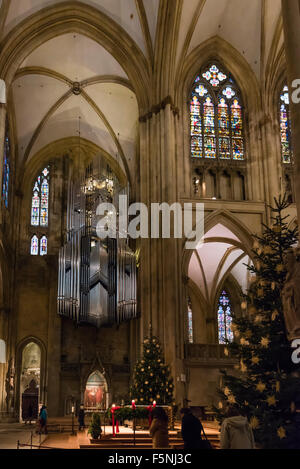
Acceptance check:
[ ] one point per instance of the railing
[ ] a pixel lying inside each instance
(26, 445)
(207, 352)
(30, 442)
(220, 179)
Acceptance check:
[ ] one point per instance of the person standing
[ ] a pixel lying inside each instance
(236, 432)
(191, 430)
(43, 420)
(81, 416)
(159, 430)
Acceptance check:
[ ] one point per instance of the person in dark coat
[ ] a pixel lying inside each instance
(81, 416)
(191, 430)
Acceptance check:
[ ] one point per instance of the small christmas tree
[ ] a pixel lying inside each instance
(95, 429)
(266, 387)
(152, 380)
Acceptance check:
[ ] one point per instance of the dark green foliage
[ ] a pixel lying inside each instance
(95, 429)
(127, 413)
(266, 386)
(151, 380)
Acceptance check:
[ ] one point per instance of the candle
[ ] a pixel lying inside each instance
(154, 403)
(133, 405)
(73, 409)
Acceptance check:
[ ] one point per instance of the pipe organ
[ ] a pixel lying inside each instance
(97, 277)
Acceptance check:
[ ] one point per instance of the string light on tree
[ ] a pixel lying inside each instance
(268, 383)
(154, 378)
(281, 432)
(265, 342)
(254, 423)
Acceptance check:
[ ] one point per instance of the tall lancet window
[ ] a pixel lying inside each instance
(216, 112)
(190, 323)
(285, 126)
(6, 167)
(225, 319)
(40, 213)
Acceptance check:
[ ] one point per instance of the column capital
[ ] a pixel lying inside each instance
(155, 109)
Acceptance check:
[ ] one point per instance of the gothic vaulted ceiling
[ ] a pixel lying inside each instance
(209, 272)
(47, 109)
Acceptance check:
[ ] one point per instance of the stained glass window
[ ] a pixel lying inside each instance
(40, 200)
(285, 126)
(214, 76)
(40, 213)
(6, 168)
(43, 246)
(34, 246)
(196, 128)
(237, 130)
(217, 127)
(225, 319)
(190, 323)
(209, 128)
(224, 129)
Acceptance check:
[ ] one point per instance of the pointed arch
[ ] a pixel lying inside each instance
(227, 219)
(224, 313)
(43, 370)
(218, 49)
(231, 222)
(219, 265)
(65, 146)
(243, 186)
(217, 115)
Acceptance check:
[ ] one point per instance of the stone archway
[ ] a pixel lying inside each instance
(30, 380)
(216, 266)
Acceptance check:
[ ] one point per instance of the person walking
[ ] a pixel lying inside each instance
(191, 430)
(236, 432)
(43, 420)
(81, 416)
(159, 430)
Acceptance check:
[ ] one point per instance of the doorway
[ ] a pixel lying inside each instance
(30, 381)
(30, 402)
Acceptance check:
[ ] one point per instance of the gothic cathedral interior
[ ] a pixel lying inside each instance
(107, 104)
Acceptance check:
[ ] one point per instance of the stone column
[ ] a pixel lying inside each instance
(160, 258)
(3, 332)
(291, 22)
(53, 381)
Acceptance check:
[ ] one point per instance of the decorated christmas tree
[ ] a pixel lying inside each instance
(265, 385)
(152, 380)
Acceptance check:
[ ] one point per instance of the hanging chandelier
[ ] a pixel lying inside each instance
(93, 184)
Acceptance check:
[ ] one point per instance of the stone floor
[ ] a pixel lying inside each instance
(11, 433)
(67, 441)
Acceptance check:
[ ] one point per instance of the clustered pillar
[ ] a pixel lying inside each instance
(159, 257)
(2, 313)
